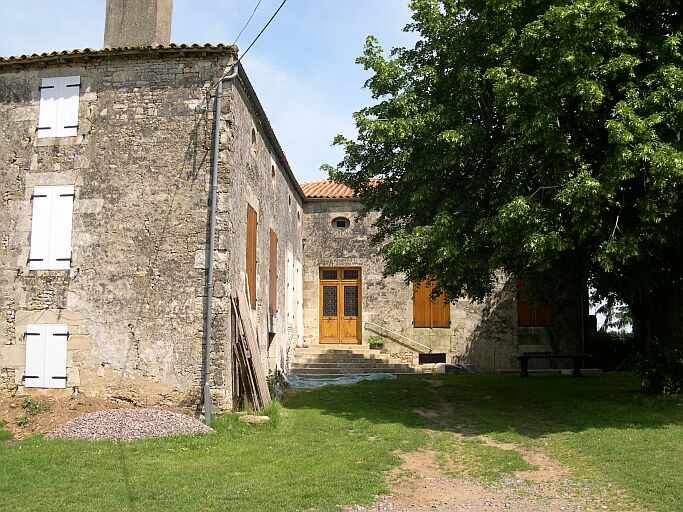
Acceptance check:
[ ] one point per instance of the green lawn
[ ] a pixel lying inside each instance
(332, 446)
(600, 425)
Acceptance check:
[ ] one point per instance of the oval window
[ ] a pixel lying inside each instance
(340, 223)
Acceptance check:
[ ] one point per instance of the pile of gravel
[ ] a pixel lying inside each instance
(128, 425)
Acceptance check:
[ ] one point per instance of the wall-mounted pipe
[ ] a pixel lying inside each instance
(212, 233)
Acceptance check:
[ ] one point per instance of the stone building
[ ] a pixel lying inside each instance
(347, 299)
(107, 163)
(106, 173)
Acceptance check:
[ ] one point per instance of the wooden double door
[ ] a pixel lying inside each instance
(340, 305)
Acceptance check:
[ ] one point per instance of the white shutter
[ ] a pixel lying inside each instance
(290, 287)
(51, 228)
(299, 304)
(39, 257)
(67, 117)
(60, 227)
(50, 92)
(34, 369)
(59, 98)
(55, 356)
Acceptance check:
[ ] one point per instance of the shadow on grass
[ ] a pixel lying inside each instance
(484, 404)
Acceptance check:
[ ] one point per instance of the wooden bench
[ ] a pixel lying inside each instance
(577, 361)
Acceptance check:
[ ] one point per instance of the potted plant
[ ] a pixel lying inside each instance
(376, 342)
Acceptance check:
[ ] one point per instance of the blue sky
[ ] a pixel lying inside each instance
(302, 67)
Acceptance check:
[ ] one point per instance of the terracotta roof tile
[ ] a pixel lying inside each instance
(89, 52)
(326, 190)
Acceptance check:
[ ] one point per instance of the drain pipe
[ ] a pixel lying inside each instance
(212, 233)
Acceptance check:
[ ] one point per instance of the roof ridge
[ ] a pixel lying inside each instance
(87, 52)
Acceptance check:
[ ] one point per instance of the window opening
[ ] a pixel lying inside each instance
(431, 358)
(329, 274)
(251, 254)
(350, 274)
(51, 226)
(59, 98)
(529, 314)
(341, 223)
(428, 312)
(273, 273)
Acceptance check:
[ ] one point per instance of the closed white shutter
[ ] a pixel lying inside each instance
(55, 355)
(299, 284)
(51, 227)
(290, 287)
(34, 369)
(67, 120)
(60, 227)
(39, 257)
(59, 98)
(50, 92)
(45, 355)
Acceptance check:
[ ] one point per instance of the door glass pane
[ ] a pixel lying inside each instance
(329, 274)
(350, 300)
(350, 275)
(329, 301)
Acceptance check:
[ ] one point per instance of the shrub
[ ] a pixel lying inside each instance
(34, 406)
(376, 341)
(661, 371)
(612, 351)
(277, 383)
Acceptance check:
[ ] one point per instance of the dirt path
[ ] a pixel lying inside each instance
(422, 483)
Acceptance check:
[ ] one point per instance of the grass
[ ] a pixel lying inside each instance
(5, 435)
(473, 457)
(304, 460)
(333, 446)
(601, 426)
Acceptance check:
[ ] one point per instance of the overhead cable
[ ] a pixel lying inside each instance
(263, 30)
(248, 21)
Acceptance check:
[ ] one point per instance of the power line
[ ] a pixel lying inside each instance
(233, 67)
(262, 30)
(248, 21)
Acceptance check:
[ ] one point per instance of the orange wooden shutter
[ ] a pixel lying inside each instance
(421, 305)
(530, 316)
(441, 311)
(251, 254)
(428, 312)
(273, 272)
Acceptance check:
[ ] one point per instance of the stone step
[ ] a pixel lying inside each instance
(314, 348)
(333, 358)
(340, 354)
(318, 364)
(350, 371)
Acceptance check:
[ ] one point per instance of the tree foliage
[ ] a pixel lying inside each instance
(538, 137)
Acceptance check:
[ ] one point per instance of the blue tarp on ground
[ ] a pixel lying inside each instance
(309, 382)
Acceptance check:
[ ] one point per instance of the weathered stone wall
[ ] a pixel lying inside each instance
(480, 334)
(140, 164)
(252, 173)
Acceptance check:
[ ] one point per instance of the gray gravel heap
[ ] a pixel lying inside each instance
(128, 425)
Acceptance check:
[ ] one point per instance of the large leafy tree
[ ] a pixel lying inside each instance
(540, 137)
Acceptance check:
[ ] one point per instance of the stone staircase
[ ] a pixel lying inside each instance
(335, 360)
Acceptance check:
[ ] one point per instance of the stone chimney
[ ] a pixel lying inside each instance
(137, 23)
